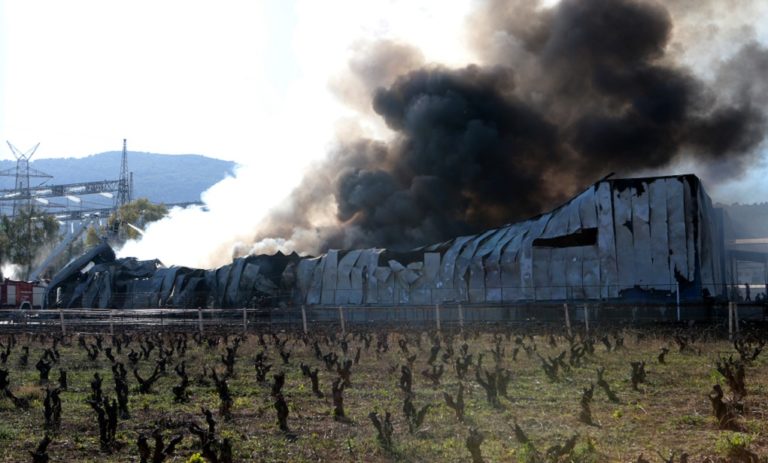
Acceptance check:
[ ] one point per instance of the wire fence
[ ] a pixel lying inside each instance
(397, 295)
(344, 318)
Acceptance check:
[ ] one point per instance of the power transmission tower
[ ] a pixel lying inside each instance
(125, 183)
(22, 172)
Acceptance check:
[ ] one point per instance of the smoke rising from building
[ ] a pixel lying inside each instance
(566, 95)
(556, 98)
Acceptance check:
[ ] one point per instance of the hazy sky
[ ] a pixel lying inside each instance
(236, 80)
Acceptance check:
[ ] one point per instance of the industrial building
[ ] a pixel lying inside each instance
(655, 239)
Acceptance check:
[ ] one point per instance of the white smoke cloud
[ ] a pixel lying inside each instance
(300, 125)
(303, 117)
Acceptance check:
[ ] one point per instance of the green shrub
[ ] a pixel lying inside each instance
(733, 444)
(585, 452)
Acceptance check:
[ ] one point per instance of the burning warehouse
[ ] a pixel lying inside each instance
(582, 87)
(646, 239)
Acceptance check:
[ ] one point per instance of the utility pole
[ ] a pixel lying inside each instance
(22, 172)
(125, 183)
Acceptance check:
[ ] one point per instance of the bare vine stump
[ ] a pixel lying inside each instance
(585, 416)
(337, 392)
(414, 417)
(52, 409)
(384, 429)
(603, 384)
(282, 412)
(44, 368)
(473, 442)
(458, 404)
(40, 454)
(638, 374)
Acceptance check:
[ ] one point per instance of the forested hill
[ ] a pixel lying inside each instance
(159, 177)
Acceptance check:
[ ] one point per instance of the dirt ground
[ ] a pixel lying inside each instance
(669, 413)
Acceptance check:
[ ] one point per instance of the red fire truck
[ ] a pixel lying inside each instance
(22, 295)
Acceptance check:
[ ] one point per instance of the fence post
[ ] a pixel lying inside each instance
(111, 325)
(586, 317)
(730, 321)
(341, 319)
(304, 317)
(461, 317)
(200, 320)
(437, 316)
(567, 320)
(736, 316)
(245, 321)
(61, 319)
(677, 296)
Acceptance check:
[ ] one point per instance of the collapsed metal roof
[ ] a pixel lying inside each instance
(620, 238)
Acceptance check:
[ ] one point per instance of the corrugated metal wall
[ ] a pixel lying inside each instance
(652, 234)
(625, 238)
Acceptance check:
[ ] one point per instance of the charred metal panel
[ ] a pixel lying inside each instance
(315, 294)
(403, 278)
(557, 274)
(98, 254)
(461, 272)
(557, 223)
(221, 278)
(705, 242)
(304, 272)
(719, 253)
(574, 279)
(511, 274)
(420, 290)
(678, 252)
(623, 226)
(588, 209)
(385, 281)
(356, 294)
(330, 272)
(156, 286)
(662, 279)
(169, 276)
(527, 269)
(345, 292)
(493, 283)
(690, 237)
(641, 233)
(542, 259)
(233, 284)
(606, 242)
(590, 271)
(364, 273)
(448, 263)
(431, 275)
(477, 267)
(139, 293)
(343, 281)
(105, 293)
(249, 277)
(178, 286)
(92, 291)
(194, 293)
(574, 215)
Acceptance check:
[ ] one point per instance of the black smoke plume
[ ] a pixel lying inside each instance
(562, 97)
